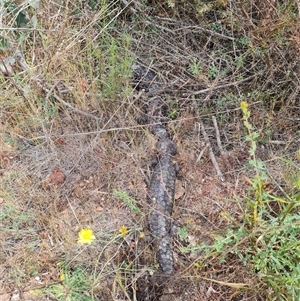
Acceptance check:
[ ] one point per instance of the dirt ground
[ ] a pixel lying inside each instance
(69, 172)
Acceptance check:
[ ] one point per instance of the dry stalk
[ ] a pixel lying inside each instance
(218, 135)
(211, 154)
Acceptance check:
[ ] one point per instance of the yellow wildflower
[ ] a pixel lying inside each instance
(62, 276)
(86, 236)
(244, 106)
(123, 230)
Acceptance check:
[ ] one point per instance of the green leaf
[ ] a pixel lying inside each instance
(182, 232)
(22, 20)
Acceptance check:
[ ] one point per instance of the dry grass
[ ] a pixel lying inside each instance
(70, 137)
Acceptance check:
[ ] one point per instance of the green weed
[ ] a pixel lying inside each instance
(76, 285)
(266, 241)
(173, 112)
(127, 200)
(195, 67)
(213, 72)
(117, 69)
(13, 218)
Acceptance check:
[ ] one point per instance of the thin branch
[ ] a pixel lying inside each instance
(202, 152)
(218, 135)
(211, 154)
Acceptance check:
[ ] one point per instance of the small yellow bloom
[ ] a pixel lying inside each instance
(60, 263)
(62, 276)
(244, 106)
(123, 230)
(86, 236)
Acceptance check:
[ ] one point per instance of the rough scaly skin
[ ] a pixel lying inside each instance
(162, 188)
(162, 184)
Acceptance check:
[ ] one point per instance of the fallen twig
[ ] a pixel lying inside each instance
(218, 135)
(202, 152)
(211, 154)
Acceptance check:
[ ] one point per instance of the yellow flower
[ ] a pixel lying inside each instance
(62, 276)
(86, 236)
(123, 230)
(244, 106)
